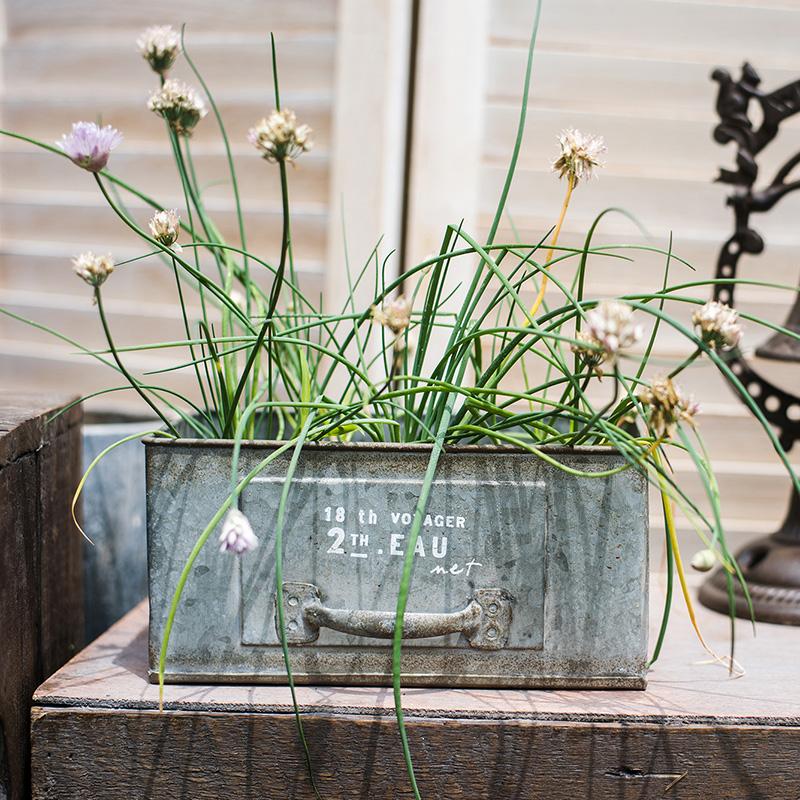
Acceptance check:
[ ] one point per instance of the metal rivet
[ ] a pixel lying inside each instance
(292, 601)
(491, 633)
(292, 626)
(492, 608)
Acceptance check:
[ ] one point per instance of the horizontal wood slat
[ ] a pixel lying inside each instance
(150, 167)
(469, 759)
(27, 269)
(658, 145)
(240, 60)
(47, 117)
(33, 18)
(663, 28)
(689, 208)
(665, 86)
(83, 220)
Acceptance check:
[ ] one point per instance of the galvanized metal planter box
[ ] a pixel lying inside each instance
(524, 576)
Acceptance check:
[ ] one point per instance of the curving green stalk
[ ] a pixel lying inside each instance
(133, 382)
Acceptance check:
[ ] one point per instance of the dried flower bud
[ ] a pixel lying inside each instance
(160, 46)
(89, 145)
(703, 560)
(580, 154)
(179, 105)
(590, 350)
(719, 325)
(609, 328)
(668, 406)
(279, 137)
(237, 535)
(165, 227)
(396, 316)
(93, 269)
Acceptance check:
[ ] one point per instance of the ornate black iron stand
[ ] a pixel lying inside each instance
(771, 564)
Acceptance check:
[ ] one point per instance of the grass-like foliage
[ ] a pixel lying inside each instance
(488, 341)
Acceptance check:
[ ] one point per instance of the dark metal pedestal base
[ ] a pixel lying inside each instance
(771, 566)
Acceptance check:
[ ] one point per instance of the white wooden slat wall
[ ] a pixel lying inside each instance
(63, 62)
(637, 72)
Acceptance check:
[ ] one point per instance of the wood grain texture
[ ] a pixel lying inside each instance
(61, 551)
(41, 613)
(34, 17)
(114, 753)
(112, 672)
(19, 657)
(97, 731)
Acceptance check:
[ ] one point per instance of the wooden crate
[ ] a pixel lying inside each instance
(693, 734)
(41, 602)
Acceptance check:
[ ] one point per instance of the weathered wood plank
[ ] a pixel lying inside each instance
(114, 753)
(41, 615)
(680, 30)
(19, 668)
(112, 671)
(23, 427)
(81, 18)
(61, 551)
(693, 734)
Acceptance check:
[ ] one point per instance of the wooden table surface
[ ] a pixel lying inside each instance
(694, 732)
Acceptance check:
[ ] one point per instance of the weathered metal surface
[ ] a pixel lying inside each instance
(113, 499)
(566, 555)
(484, 621)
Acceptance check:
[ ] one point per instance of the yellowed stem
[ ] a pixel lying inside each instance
(669, 520)
(553, 243)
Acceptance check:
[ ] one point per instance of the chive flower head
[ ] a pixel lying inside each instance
(668, 406)
(718, 325)
(396, 316)
(88, 145)
(160, 46)
(93, 269)
(237, 534)
(165, 227)
(608, 329)
(179, 104)
(279, 137)
(579, 154)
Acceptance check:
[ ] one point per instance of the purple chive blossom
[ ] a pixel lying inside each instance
(237, 535)
(89, 145)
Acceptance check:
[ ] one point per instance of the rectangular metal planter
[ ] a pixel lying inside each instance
(524, 576)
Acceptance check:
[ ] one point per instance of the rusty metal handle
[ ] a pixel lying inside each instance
(484, 621)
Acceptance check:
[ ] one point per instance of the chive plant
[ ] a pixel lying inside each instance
(413, 366)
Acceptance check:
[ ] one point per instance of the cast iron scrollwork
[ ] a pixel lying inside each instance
(735, 102)
(770, 564)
